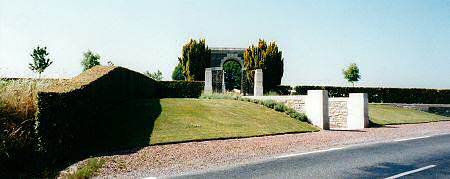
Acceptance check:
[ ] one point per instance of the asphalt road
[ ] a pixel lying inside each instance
(413, 158)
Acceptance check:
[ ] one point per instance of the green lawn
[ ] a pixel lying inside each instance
(199, 119)
(178, 120)
(383, 115)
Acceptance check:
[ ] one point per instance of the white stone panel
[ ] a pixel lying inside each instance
(208, 81)
(258, 86)
(317, 108)
(358, 111)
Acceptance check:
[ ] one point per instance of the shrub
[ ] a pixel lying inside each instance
(279, 107)
(386, 95)
(294, 114)
(269, 103)
(180, 89)
(69, 113)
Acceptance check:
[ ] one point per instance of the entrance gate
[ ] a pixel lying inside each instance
(220, 56)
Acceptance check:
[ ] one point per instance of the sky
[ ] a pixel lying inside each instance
(396, 43)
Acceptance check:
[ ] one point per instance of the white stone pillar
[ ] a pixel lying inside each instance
(258, 89)
(316, 105)
(358, 111)
(208, 81)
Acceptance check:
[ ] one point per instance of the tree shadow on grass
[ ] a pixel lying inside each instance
(124, 128)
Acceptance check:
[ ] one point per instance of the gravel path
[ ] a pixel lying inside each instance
(176, 159)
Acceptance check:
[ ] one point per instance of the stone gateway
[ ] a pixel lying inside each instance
(214, 75)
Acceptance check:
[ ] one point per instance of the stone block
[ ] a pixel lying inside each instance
(258, 85)
(317, 108)
(208, 81)
(358, 111)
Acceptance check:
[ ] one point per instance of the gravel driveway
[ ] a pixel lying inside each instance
(175, 159)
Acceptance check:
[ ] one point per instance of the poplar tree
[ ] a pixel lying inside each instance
(194, 59)
(269, 59)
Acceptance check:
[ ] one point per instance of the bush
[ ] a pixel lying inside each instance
(279, 107)
(269, 103)
(180, 89)
(386, 95)
(68, 113)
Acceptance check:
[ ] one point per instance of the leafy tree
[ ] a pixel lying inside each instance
(110, 63)
(40, 60)
(194, 59)
(265, 57)
(233, 74)
(158, 76)
(177, 73)
(352, 73)
(90, 60)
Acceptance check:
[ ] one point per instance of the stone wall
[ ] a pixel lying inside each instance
(298, 105)
(219, 54)
(337, 111)
(295, 102)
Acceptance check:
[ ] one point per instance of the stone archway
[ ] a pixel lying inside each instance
(230, 79)
(219, 56)
(233, 57)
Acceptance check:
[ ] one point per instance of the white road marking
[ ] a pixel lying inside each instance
(411, 172)
(149, 178)
(422, 137)
(312, 152)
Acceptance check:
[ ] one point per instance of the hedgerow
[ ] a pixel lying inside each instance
(386, 95)
(180, 89)
(69, 117)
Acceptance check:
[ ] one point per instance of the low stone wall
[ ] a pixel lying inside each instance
(349, 113)
(296, 102)
(337, 111)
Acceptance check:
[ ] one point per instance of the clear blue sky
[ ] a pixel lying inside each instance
(396, 43)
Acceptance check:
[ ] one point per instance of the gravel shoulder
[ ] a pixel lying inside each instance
(192, 157)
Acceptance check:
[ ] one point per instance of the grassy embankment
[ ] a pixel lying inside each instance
(385, 115)
(183, 120)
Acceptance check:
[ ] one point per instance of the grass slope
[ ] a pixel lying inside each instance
(200, 119)
(383, 115)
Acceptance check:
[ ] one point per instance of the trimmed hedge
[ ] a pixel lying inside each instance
(282, 89)
(180, 89)
(386, 95)
(68, 112)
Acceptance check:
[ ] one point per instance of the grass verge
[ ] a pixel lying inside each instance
(385, 115)
(87, 169)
